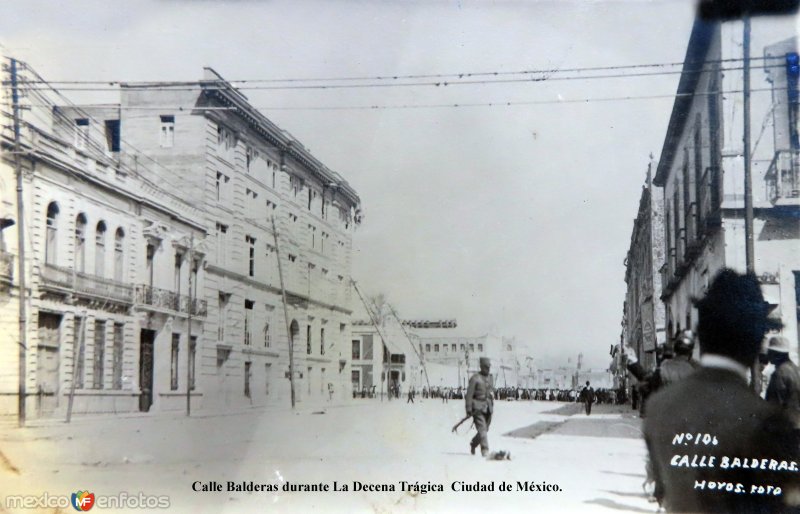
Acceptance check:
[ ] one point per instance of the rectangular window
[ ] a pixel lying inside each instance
(99, 353)
(436, 348)
(266, 334)
(480, 347)
(308, 339)
(247, 371)
(428, 347)
(150, 254)
(322, 341)
(356, 349)
(118, 349)
(167, 133)
(173, 368)
(222, 187)
(112, 135)
(222, 316)
(192, 358)
(453, 347)
(176, 274)
(82, 133)
(251, 252)
(471, 347)
(222, 244)
(248, 322)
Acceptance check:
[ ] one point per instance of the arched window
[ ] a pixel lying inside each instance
(100, 249)
(80, 243)
(51, 239)
(119, 242)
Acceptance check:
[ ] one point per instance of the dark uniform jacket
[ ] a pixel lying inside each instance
(479, 394)
(674, 370)
(784, 386)
(719, 403)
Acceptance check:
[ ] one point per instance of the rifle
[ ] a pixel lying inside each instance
(459, 423)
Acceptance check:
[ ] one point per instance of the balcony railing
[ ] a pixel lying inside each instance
(85, 284)
(169, 300)
(783, 178)
(6, 268)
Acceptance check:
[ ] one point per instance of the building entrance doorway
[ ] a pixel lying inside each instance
(146, 340)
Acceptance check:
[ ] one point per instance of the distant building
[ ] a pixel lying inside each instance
(701, 169)
(384, 358)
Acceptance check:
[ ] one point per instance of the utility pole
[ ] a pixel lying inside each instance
(749, 248)
(285, 312)
(748, 178)
(77, 361)
(23, 317)
(189, 331)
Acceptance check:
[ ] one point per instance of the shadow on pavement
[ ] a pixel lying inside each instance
(535, 430)
(627, 494)
(634, 475)
(611, 504)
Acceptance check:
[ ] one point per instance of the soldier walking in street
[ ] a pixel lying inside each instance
(479, 404)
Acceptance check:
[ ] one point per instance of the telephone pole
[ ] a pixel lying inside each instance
(189, 359)
(23, 317)
(285, 312)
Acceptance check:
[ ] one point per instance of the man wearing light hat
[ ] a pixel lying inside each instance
(479, 404)
(784, 384)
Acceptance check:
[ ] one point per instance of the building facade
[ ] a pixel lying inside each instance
(701, 170)
(99, 239)
(385, 358)
(643, 318)
(153, 237)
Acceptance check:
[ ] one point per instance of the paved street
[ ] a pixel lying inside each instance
(596, 461)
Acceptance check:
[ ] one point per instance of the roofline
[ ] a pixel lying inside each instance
(696, 52)
(282, 139)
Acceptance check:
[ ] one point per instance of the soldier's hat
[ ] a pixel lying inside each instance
(484, 361)
(779, 344)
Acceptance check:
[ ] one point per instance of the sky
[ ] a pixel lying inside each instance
(511, 219)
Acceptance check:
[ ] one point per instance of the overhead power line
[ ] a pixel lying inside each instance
(457, 75)
(224, 84)
(499, 103)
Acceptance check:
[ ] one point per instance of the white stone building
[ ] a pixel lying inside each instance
(125, 205)
(95, 232)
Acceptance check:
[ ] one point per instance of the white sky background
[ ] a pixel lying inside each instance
(516, 217)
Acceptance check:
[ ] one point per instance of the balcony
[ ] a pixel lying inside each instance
(161, 299)
(6, 268)
(65, 280)
(783, 179)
